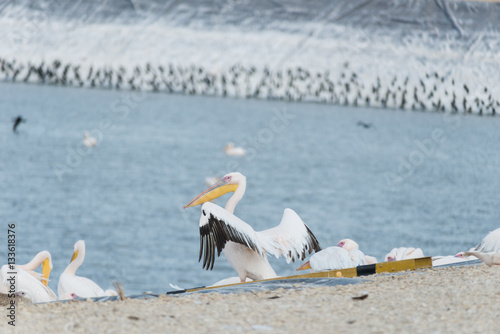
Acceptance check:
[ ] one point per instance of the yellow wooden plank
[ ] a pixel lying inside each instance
(348, 273)
(383, 267)
(402, 265)
(423, 262)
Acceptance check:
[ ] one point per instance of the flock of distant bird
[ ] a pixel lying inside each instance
(430, 91)
(33, 285)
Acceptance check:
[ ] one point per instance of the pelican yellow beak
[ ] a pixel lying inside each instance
(215, 191)
(75, 255)
(305, 266)
(46, 271)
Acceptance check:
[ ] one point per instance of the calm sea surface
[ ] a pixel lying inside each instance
(416, 179)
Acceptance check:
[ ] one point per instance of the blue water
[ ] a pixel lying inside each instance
(125, 196)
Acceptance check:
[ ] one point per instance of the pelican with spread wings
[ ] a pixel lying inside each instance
(246, 249)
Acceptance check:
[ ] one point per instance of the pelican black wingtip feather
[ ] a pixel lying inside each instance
(214, 235)
(313, 242)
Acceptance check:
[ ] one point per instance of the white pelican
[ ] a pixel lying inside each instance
(490, 258)
(245, 249)
(89, 141)
(42, 258)
(333, 258)
(403, 253)
(351, 245)
(449, 259)
(490, 243)
(70, 284)
(233, 151)
(32, 284)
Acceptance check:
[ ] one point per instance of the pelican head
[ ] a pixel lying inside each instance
(229, 146)
(24, 294)
(80, 244)
(348, 244)
(230, 182)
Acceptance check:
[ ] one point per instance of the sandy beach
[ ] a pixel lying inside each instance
(446, 300)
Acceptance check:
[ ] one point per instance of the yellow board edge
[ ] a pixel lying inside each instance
(382, 267)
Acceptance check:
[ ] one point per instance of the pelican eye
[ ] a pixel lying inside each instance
(203, 211)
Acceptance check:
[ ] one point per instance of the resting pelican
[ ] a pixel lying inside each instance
(345, 255)
(403, 253)
(245, 249)
(449, 259)
(351, 245)
(233, 151)
(32, 284)
(333, 258)
(70, 284)
(89, 141)
(490, 243)
(43, 258)
(490, 258)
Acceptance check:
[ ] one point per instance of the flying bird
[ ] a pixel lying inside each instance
(365, 125)
(245, 249)
(18, 120)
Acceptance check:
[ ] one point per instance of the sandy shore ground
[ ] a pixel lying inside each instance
(448, 300)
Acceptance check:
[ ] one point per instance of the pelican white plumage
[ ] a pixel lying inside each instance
(490, 243)
(351, 245)
(449, 259)
(27, 283)
(370, 259)
(490, 258)
(89, 141)
(404, 253)
(234, 151)
(333, 258)
(69, 283)
(32, 284)
(245, 249)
